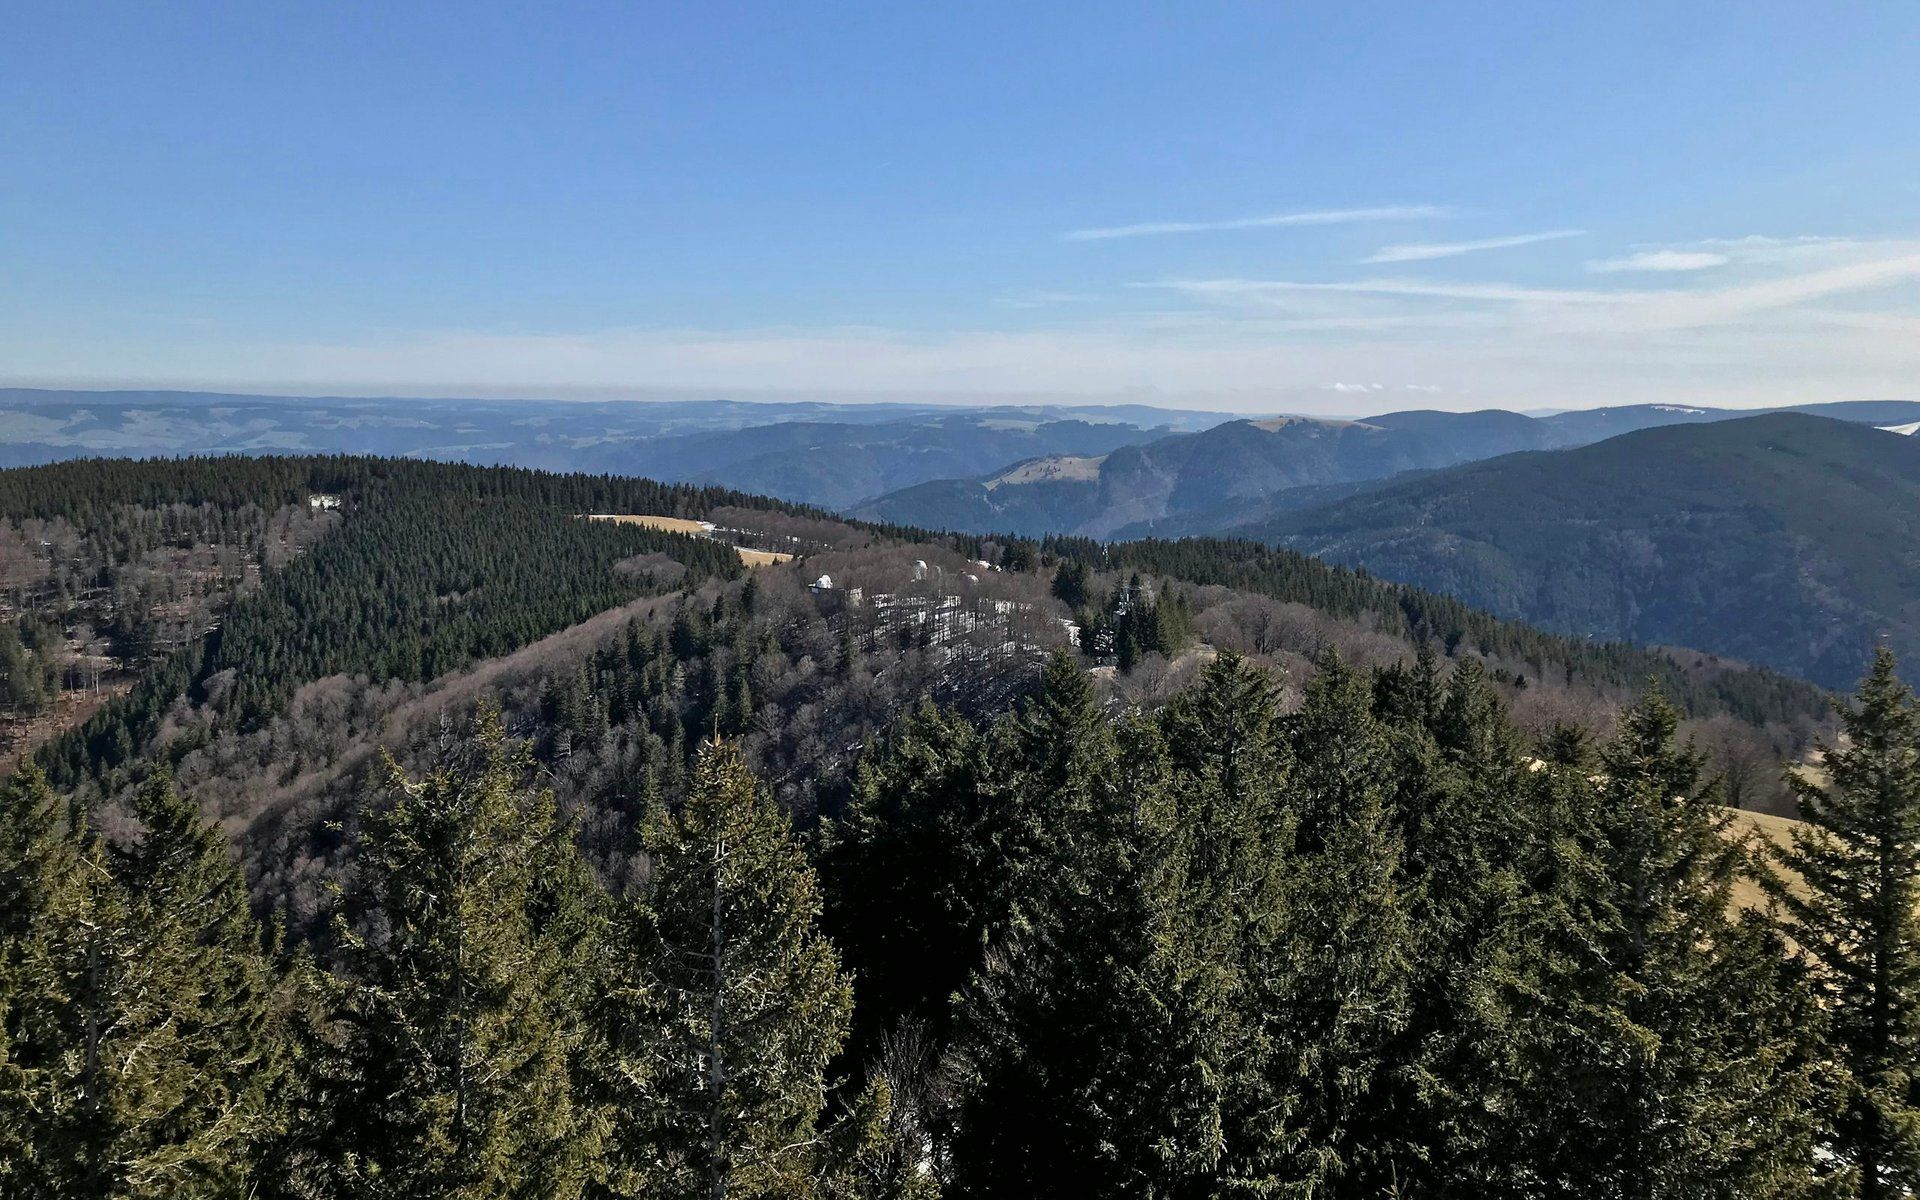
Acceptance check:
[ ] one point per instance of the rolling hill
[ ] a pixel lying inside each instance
(1784, 539)
(837, 464)
(1242, 471)
(810, 452)
(1227, 469)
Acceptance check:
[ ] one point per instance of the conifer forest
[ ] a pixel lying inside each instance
(376, 828)
(983, 601)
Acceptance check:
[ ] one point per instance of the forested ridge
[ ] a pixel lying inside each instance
(1234, 473)
(438, 565)
(1781, 539)
(1784, 539)
(1379, 945)
(434, 566)
(612, 870)
(84, 486)
(1753, 694)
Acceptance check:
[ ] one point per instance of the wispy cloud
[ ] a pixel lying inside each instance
(1754, 250)
(1424, 251)
(1726, 304)
(1333, 216)
(1662, 260)
(1428, 289)
(1569, 312)
(1041, 299)
(1619, 310)
(1787, 320)
(1756, 245)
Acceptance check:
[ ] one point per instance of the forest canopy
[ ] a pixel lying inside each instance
(466, 847)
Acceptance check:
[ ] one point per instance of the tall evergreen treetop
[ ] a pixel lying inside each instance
(752, 1002)
(1225, 740)
(1058, 753)
(464, 1011)
(1099, 1041)
(1058, 721)
(1335, 984)
(142, 1045)
(1857, 916)
(1681, 1066)
(914, 871)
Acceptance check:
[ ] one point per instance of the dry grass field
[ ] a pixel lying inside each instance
(753, 558)
(668, 524)
(1758, 827)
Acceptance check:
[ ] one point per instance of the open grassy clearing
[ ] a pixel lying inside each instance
(667, 524)
(1757, 828)
(752, 558)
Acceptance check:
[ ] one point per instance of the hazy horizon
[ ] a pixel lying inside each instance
(1232, 208)
(1349, 406)
(1346, 406)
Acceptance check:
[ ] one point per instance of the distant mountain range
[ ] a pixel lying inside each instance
(1790, 538)
(1242, 472)
(832, 455)
(1784, 539)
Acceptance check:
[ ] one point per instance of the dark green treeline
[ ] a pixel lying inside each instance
(435, 566)
(1378, 945)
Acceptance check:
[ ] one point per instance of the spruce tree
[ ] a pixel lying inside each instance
(1230, 766)
(1677, 1058)
(189, 907)
(911, 871)
(464, 1025)
(1335, 985)
(45, 902)
(1096, 1041)
(1856, 914)
(1048, 763)
(749, 1001)
(313, 1153)
(144, 1045)
(1230, 763)
(1409, 694)
(1473, 827)
(37, 847)
(1056, 720)
(1070, 583)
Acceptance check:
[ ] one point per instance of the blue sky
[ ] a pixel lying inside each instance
(1300, 207)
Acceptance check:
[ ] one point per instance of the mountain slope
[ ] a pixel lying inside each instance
(1784, 539)
(837, 464)
(1246, 471)
(809, 452)
(1136, 488)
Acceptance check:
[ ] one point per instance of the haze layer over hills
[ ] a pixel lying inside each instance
(827, 454)
(1782, 539)
(1226, 476)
